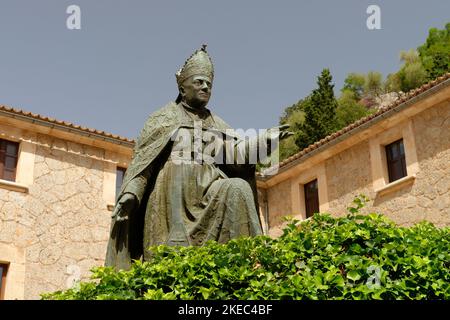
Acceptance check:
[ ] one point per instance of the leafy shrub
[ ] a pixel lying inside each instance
(351, 257)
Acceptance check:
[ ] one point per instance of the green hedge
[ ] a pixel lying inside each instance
(351, 257)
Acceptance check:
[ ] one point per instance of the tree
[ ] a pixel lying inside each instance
(363, 86)
(411, 75)
(373, 84)
(349, 110)
(435, 52)
(294, 116)
(289, 111)
(392, 83)
(431, 60)
(320, 113)
(355, 83)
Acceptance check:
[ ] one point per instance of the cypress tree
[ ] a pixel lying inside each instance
(320, 113)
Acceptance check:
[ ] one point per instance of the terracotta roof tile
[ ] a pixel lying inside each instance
(32, 115)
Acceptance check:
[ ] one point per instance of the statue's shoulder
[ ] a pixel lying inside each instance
(159, 123)
(167, 110)
(165, 116)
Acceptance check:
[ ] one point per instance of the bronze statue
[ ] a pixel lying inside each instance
(163, 201)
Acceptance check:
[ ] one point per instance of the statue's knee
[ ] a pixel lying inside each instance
(239, 185)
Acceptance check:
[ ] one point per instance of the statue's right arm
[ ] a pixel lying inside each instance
(134, 190)
(131, 197)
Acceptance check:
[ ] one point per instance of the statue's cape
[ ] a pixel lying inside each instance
(150, 152)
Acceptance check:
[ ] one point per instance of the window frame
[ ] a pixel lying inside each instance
(26, 153)
(123, 170)
(4, 155)
(318, 172)
(396, 166)
(378, 158)
(310, 208)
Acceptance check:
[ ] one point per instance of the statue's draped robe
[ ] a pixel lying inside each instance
(181, 203)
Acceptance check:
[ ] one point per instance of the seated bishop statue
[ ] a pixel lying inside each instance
(168, 195)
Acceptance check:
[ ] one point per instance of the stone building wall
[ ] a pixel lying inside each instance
(62, 223)
(360, 168)
(348, 175)
(279, 203)
(427, 198)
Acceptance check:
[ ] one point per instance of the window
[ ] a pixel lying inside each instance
(120, 173)
(3, 270)
(396, 164)
(393, 158)
(8, 159)
(311, 198)
(301, 192)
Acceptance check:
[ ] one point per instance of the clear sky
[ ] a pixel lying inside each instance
(119, 67)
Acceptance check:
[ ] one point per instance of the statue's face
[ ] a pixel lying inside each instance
(196, 91)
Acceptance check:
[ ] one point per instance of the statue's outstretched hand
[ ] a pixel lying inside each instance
(126, 204)
(283, 131)
(278, 133)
